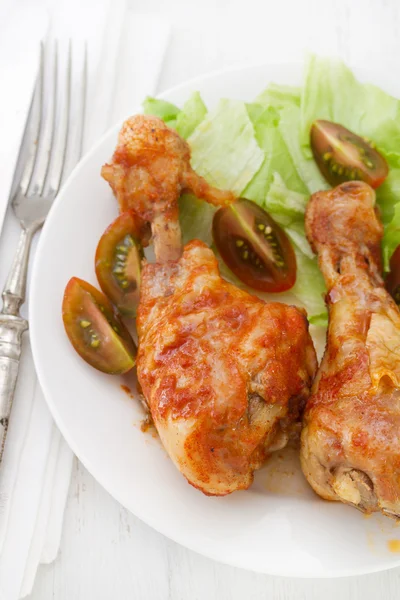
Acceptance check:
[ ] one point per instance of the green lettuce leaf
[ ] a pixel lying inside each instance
(195, 217)
(287, 208)
(310, 287)
(289, 126)
(278, 134)
(328, 86)
(391, 238)
(277, 158)
(276, 185)
(193, 112)
(224, 147)
(282, 201)
(160, 108)
(296, 233)
(319, 320)
(388, 195)
(279, 96)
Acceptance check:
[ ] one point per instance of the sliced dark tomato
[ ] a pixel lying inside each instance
(94, 330)
(254, 246)
(393, 279)
(344, 156)
(118, 262)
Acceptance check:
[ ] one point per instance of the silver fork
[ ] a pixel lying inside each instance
(41, 168)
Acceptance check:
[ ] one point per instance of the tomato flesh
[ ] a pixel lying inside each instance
(254, 246)
(341, 155)
(118, 263)
(393, 278)
(94, 330)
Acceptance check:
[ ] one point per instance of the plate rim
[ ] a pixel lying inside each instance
(177, 538)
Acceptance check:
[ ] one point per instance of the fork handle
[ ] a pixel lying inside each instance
(14, 289)
(11, 330)
(12, 326)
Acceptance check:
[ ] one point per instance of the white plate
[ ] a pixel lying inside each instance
(278, 526)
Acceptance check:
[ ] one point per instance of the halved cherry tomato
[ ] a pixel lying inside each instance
(94, 330)
(393, 279)
(254, 246)
(118, 262)
(344, 156)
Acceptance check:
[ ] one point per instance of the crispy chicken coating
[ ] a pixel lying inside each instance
(149, 170)
(351, 436)
(225, 374)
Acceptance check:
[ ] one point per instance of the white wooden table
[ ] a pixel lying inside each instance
(107, 552)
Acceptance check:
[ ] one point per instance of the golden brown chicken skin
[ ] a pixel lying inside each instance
(225, 374)
(149, 170)
(351, 436)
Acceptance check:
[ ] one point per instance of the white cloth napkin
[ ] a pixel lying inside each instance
(125, 56)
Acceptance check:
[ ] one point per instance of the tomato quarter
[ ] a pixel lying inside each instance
(254, 246)
(118, 261)
(94, 330)
(344, 156)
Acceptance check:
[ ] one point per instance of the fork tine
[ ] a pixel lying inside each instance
(46, 138)
(29, 145)
(58, 159)
(72, 140)
(82, 111)
(75, 138)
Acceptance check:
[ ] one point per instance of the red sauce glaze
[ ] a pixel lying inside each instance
(127, 390)
(205, 349)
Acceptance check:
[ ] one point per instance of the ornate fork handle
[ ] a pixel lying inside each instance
(12, 326)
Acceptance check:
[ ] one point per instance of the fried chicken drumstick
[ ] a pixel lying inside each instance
(149, 171)
(225, 375)
(351, 436)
